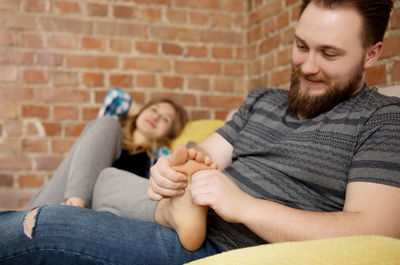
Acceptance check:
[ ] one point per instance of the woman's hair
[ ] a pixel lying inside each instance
(129, 125)
(375, 15)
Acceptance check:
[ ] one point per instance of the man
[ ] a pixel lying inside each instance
(320, 161)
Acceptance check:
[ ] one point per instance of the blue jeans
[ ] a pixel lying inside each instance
(72, 235)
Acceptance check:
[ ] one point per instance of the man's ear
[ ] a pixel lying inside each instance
(373, 54)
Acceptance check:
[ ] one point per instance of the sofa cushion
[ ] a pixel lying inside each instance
(196, 131)
(356, 250)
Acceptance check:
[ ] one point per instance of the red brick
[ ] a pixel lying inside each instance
(130, 30)
(16, 58)
(61, 146)
(158, 2)
(198, 18)
(226, 37)
(93, 79)
(89, 113)
(51, 129)
(96, 10)
(222, 52)
(391, 46)
(35, 76)
(221, 115)
(74, 130)
(32, 129)
(396, 71)
(93, 44)
(65, 79)
(176, 16)
(282, 20)
(179, 97)
(105, 62)
(30, 181)
(47, 162)
(170, 48)
(284, 57)
(149, 14)
(376, 75)
(65, 113)
(61, 95)
(255, 34)
(221, 21)
(234, 5)
(221, 101)
(15, 163)
(122, 46)
(196, 83)
(147, 64)
(64, 42)
(197, 51)
(224, 84)
(6, 180)
(74, 26)
(204, 4)
(125, 12)
(16, 93)
(9, 5)
(35, 111)
(50, 59)
(8, 74)
(19, 22)
(37, 5)
(150, 47)
(121, 80)
(10, 147)
(172, 82)
(8, 111)
(146, 80)
(8, 38)
(34, 146)
(395, 19)
(199, 115)
(67, 7)
(235, 69)
(33, 41)
(199, 67)
(270, 44)
(280, 77)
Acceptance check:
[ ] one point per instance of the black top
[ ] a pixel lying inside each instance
(138, 164)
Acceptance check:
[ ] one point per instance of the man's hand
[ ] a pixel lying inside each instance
(75, 201)
(214, 189)
(166, 181)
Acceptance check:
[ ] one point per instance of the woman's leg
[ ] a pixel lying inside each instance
(60, 234)
(124, 194)
(97, 148)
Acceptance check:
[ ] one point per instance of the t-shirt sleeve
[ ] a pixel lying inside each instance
(230, 131)
(377, 157)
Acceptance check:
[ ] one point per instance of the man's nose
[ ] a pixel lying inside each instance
(310, 65)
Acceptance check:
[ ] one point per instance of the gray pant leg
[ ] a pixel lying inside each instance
(97, 148)
(124, 194)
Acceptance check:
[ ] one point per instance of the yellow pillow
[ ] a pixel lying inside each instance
(196, 131)
(356, 250)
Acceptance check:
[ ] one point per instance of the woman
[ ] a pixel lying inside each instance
(108, 166)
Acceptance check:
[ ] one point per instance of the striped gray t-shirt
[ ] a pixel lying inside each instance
(306, 164)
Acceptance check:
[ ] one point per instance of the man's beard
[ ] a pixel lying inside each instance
(309, 106)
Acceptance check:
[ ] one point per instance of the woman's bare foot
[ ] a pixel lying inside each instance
(179, 213)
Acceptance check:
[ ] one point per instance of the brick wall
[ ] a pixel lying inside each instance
(58, 58)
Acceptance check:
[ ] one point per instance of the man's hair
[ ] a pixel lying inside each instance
(375, 15)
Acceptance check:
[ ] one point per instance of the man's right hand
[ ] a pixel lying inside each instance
(165, 181)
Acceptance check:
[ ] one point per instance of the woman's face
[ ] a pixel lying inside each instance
(156, 120)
